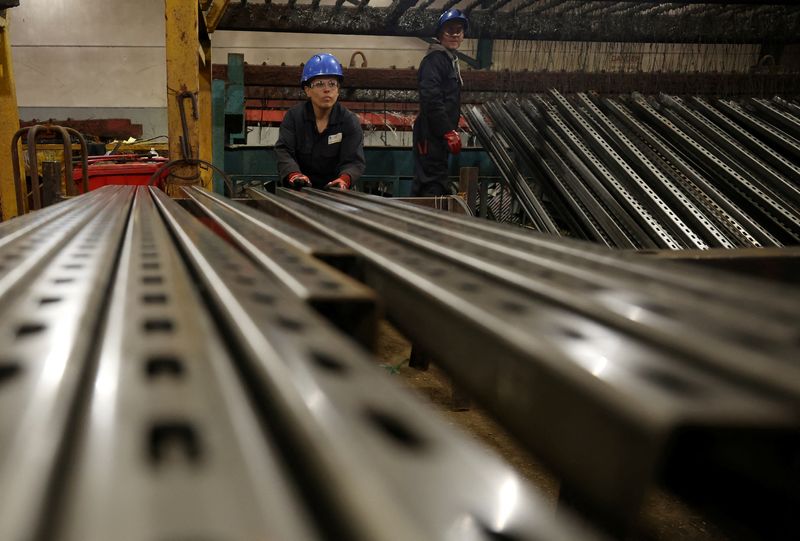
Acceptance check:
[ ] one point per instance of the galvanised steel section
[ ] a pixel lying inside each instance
(168, 446)
(672, 230)
(371, 473)
(786, 167)
(784, 119)
(620, 397)
(497, 145)
(53, 289)
(659, 237)
(769, 133)
(524, 151)
(345, 302)
(728, 214)
(777, 219)
(617, 223)
(760, 174)
(668, 316)
(786, 105)
(313, 245)
(708, 233)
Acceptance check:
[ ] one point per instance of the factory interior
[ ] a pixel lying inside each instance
(592, 334)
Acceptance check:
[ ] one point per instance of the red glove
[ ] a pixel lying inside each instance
(297, 180)
(342, 182)
(453, 141)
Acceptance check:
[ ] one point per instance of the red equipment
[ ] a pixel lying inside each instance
(125, 169)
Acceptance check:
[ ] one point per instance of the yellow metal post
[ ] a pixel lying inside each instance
(9, 122)
(183, 84)
(204, 102)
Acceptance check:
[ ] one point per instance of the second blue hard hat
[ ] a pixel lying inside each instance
(452, 15)
(319, 65)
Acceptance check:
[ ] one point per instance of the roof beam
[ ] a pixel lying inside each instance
(775, 25)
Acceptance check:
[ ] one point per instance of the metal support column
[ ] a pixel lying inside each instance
(9, 121)
(183, 80)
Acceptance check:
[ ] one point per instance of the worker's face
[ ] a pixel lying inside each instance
(452, 34)
(323, 92)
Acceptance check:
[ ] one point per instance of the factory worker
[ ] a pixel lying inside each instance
(320, 142)
(435, 135)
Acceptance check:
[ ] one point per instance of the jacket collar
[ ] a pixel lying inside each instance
(335, 118)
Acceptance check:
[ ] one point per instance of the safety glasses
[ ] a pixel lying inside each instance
(324, 84)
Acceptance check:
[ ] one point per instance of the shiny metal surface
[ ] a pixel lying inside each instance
(385, 476)
(53, 292)
(625, 375)
(272, 244)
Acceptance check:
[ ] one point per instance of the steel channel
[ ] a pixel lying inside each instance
(168, 446)
(495, 143)
(787, 106)
(787, 121)
(623, 225)
(691, 143)
(665, 316)
(719, 204)
(570, 183)
(313, 245)
(47, 335)
(732, 290)
(769, 133)
(25, 223)
(345, 302)
(733, 236)
(524, 150)
(680, 203)
(760, 174)
(617, 398)
(785, 166)
(629, 206)
(672, 231)
(764, 202)
(379, 475)
(502, 120)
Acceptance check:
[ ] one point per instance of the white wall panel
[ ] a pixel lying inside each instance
(88, 22)
(90, 76)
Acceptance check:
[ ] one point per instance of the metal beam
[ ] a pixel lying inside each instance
(772, 24)
(360, 83)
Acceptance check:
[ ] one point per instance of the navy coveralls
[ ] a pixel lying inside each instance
(322, 157)
(439, 112)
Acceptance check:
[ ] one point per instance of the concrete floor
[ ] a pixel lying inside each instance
(663, 517)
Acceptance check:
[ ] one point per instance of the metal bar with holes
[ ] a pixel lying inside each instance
(372, 473)
(52, 301)
(166, 404)
(587, 392)
(343, 301)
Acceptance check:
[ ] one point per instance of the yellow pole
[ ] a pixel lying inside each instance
(9, 122)
(204, 101)
(182, 80)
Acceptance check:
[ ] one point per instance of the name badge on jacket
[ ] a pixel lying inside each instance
(335, 138)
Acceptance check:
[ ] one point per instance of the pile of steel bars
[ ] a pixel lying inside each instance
(208, 357)
(637, 172)
(614, 371)
(160, 382)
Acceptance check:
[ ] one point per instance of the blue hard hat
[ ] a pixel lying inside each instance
(319, 65)
(452, 15)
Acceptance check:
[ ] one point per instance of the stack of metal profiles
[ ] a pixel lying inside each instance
(158, 383)
(169, 371)
(637, 172)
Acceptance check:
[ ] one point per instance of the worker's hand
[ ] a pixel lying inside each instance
(453, 141)
(297, 180)
(342, 182)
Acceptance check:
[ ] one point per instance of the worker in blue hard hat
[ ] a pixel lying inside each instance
(435, 129)
(320, 143)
